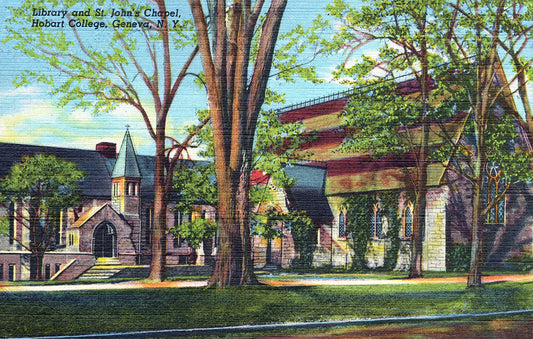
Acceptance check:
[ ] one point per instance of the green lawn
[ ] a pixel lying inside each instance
(49, 313)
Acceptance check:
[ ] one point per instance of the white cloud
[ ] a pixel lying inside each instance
(31, 91)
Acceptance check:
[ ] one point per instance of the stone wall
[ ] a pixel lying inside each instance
(434, 247)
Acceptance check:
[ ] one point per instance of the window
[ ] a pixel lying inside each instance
(1, 272)
(11, 223)
(407, 231)
(342, 225)
(493, 184)
(57, 268)
(131, 188)
(115, 189)
(377, 221)
(47, 272)
(11, 272)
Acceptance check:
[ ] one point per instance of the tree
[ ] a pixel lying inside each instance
(237, 59)
(475, 30)
(130, 63)
(406, 31)
(38, 188)
(235, 98)
(195, 185)
(195, 232)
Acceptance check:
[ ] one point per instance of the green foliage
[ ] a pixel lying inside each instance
(359, 208)
(359, 227)
(389, 203)
(378, 114)
(397, 29)
(303, 233)
(268, 224)
(522, 261)
(195, 185)
(44, 179)
(99, 72)
(4, 224)
(458, 258)
(42, 185)
(277, 145)
(195, 231)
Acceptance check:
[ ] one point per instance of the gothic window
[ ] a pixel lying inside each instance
(493, 184)
(377, 221)
(342, 225)
(407, 231)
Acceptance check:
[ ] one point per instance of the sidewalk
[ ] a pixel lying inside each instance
(281, 282)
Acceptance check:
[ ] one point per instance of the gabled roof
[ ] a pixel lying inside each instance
(97, 182)
(87, 216)
(126, 164)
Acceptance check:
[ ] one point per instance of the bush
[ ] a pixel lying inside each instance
(522, 261)
(458, 258)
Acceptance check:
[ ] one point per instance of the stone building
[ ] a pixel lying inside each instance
(508, 229)
(112, 224)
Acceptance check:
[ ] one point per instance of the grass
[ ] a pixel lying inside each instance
(53, 313)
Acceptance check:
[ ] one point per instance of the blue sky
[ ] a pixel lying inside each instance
(30, 115)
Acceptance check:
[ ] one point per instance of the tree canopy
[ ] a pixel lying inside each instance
(39, 188)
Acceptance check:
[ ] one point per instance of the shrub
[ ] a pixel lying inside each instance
(458, 258)
(522, 261)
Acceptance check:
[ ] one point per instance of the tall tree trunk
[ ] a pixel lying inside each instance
(159, 225)
(419, 218)
(36, 266)
(243, 201)
(229, 262)
(235, 100)
(476, 260)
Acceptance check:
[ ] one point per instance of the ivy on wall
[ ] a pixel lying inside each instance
(359, 209)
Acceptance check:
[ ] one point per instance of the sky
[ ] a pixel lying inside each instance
(31, 115)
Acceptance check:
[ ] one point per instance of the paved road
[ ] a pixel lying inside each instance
(430, 326)
(273, 282)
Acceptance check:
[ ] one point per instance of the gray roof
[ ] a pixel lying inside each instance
(126, 164)
(307, 194)
(97, 182)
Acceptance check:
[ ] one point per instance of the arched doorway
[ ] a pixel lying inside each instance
(105, 241)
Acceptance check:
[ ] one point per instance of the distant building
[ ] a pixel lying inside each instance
(113, 221)
(322, 190)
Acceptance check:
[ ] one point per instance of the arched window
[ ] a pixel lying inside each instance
(342, 225)
(377, 221)
(493, 184)
(407, 232)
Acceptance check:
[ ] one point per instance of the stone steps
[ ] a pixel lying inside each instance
(104, 268)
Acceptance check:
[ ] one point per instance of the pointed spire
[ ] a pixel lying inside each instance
(126, 164)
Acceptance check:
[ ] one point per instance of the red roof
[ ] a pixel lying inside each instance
(366, 163)
(258, 178)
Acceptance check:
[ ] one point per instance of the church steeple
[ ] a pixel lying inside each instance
(126, 165)
(126, 179)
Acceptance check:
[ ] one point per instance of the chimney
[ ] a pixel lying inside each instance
(107, 149)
